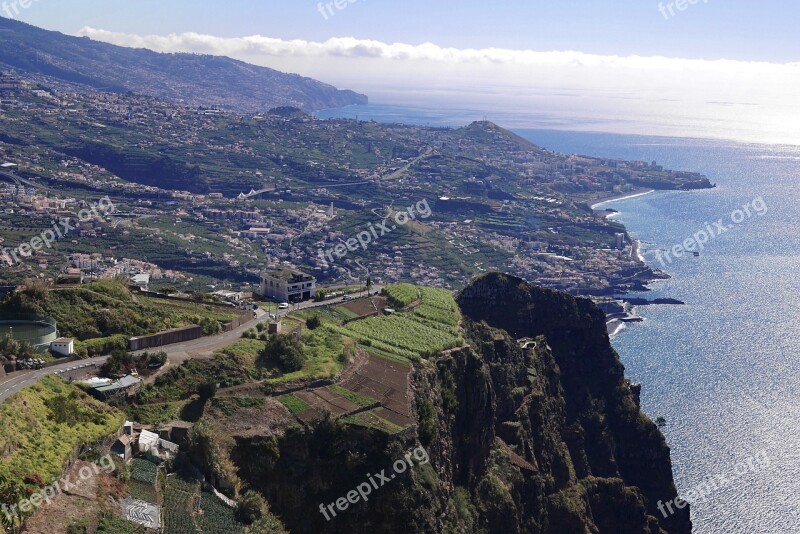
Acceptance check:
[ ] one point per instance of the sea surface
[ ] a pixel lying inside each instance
(724, 370)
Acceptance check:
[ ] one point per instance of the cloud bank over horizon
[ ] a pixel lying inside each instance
(669, 96)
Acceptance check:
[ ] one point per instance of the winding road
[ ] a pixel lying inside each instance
(177, 353)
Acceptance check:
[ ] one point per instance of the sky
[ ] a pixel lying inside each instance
(714, 68)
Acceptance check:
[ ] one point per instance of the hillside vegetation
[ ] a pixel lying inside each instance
(105, 312)
(43, 425)
(197, 80)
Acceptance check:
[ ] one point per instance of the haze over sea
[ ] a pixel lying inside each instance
(723, 369)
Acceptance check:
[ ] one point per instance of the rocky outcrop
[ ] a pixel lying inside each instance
(568, 410)
(530, 428)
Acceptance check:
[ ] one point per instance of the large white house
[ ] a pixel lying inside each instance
(288, 285)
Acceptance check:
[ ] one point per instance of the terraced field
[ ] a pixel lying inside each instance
(427, 326)
(189, 510)
(180, 498)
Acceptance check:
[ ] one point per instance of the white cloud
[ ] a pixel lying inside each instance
(674, 96)
(364, 48)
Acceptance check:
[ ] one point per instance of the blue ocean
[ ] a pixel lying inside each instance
(724, 369)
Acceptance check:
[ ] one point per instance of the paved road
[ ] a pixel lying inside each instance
(312, 304)
(178, 353)
(22, 379)
(197, 349)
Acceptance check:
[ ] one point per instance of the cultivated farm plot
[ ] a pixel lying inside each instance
(372, 419)
(143, 471)
(216, 517)
(404, 294)
(180, 498)
(360, 307)
(387, 382)
(323, 399)
(190, 307)
(380, 383)
(403, 332)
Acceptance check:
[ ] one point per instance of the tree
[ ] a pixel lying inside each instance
(207, 390)
(11, 491)
(210, 326)
(284, 351)
(251, 507)
(168, 290)
(9, 345)
(119, 363)
(313, 322)
(369, 283)
(156, 359)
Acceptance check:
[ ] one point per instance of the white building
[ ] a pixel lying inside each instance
(148, 442)
(288, 285)
(63, 345)
(230, 296)
(141, 280)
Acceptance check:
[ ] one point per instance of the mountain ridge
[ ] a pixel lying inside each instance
(81, 64)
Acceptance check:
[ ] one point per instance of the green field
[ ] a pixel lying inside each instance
(144, 471)
(180, 494)
(352, 396)
(216, 516)
(402, 295)
(427, 327)
(294, 404)
(42, 427)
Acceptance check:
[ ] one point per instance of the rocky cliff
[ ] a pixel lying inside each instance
(529, 428)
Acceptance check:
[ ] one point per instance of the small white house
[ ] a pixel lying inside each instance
(63, 345)
(148, 442)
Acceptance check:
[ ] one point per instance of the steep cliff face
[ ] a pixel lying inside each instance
(564, 407)
(543, 436)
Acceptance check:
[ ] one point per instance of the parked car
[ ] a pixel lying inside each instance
(30, 363)
(283, 306)
(347, 297)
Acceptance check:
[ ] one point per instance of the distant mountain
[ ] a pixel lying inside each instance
(81, 64)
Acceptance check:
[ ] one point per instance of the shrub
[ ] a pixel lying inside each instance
(284, 351)
(120, 363)
(251, 507)
(313, 322)
(207, 390)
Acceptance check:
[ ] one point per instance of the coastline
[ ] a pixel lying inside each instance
(614, 327)
(620, 196)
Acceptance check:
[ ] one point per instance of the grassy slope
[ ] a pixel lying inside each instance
(38, 438)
